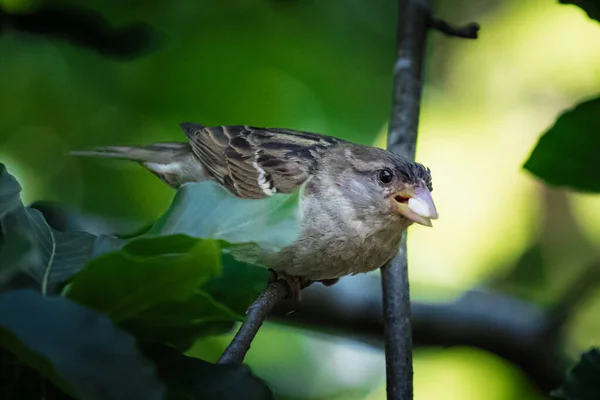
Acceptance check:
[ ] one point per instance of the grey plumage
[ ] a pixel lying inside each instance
(352, 220)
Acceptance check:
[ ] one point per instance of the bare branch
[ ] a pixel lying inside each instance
(508, 327)
(413, 20)
(255, 316)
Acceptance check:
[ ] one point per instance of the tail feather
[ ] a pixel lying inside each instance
(159, 152)
(172, 162)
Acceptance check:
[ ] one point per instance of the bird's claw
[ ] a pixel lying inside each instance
(295, 283)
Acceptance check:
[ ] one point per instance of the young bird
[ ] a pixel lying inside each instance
(357, 202)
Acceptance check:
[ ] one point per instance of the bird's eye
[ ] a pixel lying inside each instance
(386, 176)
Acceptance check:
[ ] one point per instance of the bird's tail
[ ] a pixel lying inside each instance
(159, 152)
(173, 162)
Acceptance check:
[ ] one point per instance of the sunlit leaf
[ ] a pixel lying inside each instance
(77, 348)
(583, 381)
(194, 379)
(567, 154)
(146, 272)
(208, 210)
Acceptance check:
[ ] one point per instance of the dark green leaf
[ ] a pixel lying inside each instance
(591, 7)
(180, 323)
(61, 254)
(146, 272)
(567, 154)
(10, 193)
(19, 381)
(194, 379)
(207, 210)
(16, 240)
(77, 348)
(38, 255)
(583, 381)
(238, 285)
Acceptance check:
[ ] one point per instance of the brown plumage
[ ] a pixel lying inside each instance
(358, 199)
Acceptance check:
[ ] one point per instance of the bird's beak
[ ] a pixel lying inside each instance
(415, 203)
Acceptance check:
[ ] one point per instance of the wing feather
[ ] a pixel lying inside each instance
(257, 162)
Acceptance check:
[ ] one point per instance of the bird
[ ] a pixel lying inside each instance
(356, 203)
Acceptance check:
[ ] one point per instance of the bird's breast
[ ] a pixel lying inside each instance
(329, 250)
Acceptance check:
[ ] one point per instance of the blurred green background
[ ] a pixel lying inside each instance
(326, 66)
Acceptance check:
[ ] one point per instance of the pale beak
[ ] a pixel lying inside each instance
(415, 203)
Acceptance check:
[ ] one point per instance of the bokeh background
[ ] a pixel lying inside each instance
(327, 67)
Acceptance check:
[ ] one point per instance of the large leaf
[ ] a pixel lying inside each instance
(567, 154)
(77, 348)
(591, 7)
(238, 285)
(181, 323)
(10, 191)
(16, 240)
(583, 381)
(146, 272)
(19, 381)
(194, 379)
(32, 251)
(208, 210)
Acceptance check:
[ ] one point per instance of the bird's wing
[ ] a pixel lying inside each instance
(257, 162)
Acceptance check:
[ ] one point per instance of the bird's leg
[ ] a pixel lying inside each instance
(295, 283)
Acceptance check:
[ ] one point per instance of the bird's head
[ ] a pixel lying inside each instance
(377, 182)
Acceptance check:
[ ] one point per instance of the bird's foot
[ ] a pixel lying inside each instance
(295, 283)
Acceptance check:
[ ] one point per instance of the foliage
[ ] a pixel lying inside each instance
(77, 307)
(194, 379)
(591, 7)
(566, 154)
(583, 380)
(77, 348)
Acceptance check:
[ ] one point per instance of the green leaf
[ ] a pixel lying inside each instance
(238, 285)
(19, 381)
(208, 210)
(181, 323)
(40, 256)
(194, 379)
(10, 190)
(77, 348)
(211, 311)
(566, 155)
(16, 240)
(591, 7)
(583, 381)
(61, 254)
(146, 272)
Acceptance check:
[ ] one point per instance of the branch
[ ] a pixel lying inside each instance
(413, 21)
(256, 314)
(510, 328)
(468, 31)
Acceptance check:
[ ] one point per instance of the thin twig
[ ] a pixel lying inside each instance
(413, 21)
(468, 31)
(255, 316)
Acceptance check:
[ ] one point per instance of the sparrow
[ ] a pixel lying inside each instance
(357, 202)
